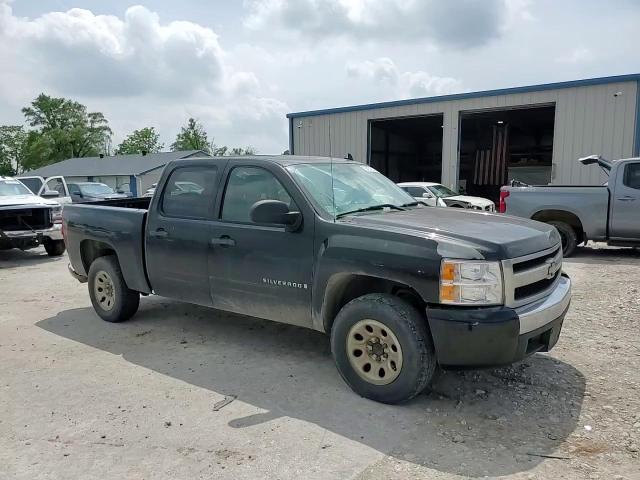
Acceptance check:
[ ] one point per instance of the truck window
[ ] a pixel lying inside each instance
(190, 192)
(33, 184)
(56, 185)
(632, 176)
(414, 191)
(246, 186)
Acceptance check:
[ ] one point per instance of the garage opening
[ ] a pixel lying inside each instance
(498, 146)
(407, 149)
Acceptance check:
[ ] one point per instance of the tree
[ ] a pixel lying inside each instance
(61, 129)
(192, 136)
(12, 147)
(145, 140)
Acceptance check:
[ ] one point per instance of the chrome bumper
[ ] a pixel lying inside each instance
(541, 312)
(54, 233)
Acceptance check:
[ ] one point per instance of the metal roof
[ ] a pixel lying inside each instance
(485, 93)
(134, 164)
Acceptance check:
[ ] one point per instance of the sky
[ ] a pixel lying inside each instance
(240, 66)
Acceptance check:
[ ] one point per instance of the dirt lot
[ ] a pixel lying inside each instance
(81, 398)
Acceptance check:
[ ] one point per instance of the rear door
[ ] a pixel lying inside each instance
(261, 270)
(178, 233)
(625, 204)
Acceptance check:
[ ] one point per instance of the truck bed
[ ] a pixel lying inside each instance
(118, 225)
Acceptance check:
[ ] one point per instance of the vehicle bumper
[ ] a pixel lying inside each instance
(81, 278)
(494, 336)
(31, 238)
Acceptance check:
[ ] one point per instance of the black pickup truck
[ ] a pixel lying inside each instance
(400, 287)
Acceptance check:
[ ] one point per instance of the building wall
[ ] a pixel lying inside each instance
(588, 120)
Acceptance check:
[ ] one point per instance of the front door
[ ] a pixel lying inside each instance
(261, 270)
(625, 204)
(178, 234)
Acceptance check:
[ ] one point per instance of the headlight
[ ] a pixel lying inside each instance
(56, 214)
(471, 282)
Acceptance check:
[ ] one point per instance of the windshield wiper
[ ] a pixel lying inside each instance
(371, 208)
(411, 204)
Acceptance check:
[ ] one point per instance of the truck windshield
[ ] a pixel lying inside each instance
(356, 187)
(13, 187)
(95, 189)
(441, 191)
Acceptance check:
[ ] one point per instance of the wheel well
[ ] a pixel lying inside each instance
(569, 218)
(92, 249)
(349, 287)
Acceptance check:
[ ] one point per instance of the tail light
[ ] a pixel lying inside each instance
(502, 207)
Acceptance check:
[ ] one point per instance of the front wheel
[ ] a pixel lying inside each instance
(54, 248)
(383, 349)
(568, 237)
(112, 300)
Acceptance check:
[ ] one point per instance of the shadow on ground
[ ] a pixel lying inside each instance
(473, 424)
(599, 256)
(17, 258)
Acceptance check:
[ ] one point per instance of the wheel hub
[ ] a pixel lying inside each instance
(104, 291)
(374, 352)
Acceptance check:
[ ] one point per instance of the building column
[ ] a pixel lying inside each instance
(450, 149)
(133, 185)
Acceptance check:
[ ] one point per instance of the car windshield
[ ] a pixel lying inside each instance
(355, 187)
(95, 189)
(13, 187)
(441, 191)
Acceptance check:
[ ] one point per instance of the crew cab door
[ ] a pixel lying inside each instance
(261, 270)
(179, 231)
(625, 204)
(57, 184)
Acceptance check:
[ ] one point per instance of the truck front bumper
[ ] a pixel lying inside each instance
(31, 238)
(494, 336)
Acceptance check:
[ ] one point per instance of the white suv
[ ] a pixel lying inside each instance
(437, 195)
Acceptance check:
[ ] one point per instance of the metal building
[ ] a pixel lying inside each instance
(478, 141)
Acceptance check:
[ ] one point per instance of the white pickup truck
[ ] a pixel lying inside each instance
(608, 213)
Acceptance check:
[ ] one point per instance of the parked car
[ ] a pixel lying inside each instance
(28, 220)
(39, 185)
(336, 247)
(608, 213)
(437, 195)
(150, 191)
(92, 191)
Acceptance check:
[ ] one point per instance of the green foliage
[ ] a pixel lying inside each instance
(12, 143)
(143, 140)
(61, 129)
(192, 136)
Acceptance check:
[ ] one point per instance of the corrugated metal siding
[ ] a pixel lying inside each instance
(588, 119)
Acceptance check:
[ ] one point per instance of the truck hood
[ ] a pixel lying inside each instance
(463, 234)
(25, 200)
(478, 201)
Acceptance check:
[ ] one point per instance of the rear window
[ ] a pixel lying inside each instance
(190, 192)
(632, 176)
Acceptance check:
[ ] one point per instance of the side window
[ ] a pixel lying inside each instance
(57, 185)
(73, 189)
(246, 186)
(33, 184)
(632, 176)
(190, 192)
(416, 191)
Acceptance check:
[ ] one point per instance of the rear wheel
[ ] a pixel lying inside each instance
(112, 300)
(382, 348)
(54, 248)
(567, 236)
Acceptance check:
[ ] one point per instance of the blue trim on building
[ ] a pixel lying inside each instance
(133, 185)
(463, 96)
(290, 136)
(636, 138)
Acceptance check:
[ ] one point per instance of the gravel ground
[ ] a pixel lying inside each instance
(81, 398)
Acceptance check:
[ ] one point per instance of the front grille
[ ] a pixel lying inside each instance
(535, 287)
(25, 219)
(531, 277)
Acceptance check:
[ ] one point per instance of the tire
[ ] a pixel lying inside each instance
(112, 300)
(567, 235)
(402, 323)
(54, 248)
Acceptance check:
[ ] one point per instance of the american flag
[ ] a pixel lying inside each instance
(491, 164)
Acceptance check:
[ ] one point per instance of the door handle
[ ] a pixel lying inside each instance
(223, 241)
(626, 198)
(159, 233)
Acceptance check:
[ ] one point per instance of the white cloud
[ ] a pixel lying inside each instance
(457, 24)
(384, 72)
(157, 73)
(577, 55)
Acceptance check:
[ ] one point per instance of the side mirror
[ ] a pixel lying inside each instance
(427, 195)
(275, 212)
(50, 194)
